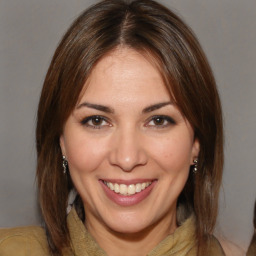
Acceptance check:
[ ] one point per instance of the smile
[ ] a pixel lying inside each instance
(127, 190)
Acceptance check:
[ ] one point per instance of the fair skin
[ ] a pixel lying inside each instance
(126, 130)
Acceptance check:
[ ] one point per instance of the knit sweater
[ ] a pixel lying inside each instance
(28, 241)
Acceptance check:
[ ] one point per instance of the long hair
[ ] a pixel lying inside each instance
(150, 28)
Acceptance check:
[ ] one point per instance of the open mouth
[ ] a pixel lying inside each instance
(127, 190)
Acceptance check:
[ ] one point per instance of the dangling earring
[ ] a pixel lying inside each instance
(195, 166)
(64, 164)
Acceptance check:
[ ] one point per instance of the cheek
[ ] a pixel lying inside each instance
(173, 153)
(84, 154)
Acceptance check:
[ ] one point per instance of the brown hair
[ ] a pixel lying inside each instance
(148, 27)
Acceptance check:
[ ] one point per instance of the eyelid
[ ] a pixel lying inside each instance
(169, 119)
(85, 121)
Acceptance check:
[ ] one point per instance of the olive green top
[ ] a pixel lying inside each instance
(28, 241)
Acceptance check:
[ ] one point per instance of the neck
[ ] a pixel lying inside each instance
(131, 244)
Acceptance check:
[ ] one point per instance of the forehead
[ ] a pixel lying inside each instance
(126, 74)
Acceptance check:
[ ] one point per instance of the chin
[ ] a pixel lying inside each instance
(128, 229)
(127, 224)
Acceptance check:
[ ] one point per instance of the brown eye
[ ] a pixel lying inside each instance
(97, 120)
(159, 121)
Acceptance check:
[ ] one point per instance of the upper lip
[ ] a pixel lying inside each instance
(128, 182)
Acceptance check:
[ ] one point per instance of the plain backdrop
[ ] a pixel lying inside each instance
(29, 33)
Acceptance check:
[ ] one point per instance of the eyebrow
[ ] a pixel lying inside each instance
(156, 106)
(97, 107)
(107, 109)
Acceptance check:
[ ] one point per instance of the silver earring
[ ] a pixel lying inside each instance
(64, 164)
(195, 166)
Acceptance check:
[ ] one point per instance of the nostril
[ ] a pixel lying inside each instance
(127, 150)
(127, 162)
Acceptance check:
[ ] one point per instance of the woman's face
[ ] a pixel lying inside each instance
(128, 146)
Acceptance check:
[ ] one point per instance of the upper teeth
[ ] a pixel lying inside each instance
(127, 189)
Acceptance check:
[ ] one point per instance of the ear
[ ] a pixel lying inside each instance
(195, 150)
(62, 145)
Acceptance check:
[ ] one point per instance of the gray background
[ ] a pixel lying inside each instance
(29, 33)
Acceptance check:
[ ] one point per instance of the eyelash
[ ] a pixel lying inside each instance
(166, 119)
(86, 121)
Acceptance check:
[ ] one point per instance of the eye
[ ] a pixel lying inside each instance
(95, 122)
(160, 121)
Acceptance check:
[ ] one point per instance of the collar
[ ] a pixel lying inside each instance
(83, 244)
(178, 243)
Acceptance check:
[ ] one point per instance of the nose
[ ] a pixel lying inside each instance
(127, 150)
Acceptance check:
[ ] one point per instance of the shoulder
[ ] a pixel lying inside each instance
(23, 241)
(215, 247)
(252, 247)
(231, 249)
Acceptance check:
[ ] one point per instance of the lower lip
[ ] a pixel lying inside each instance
(128, 200)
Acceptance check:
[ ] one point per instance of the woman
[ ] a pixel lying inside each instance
(130, 119)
